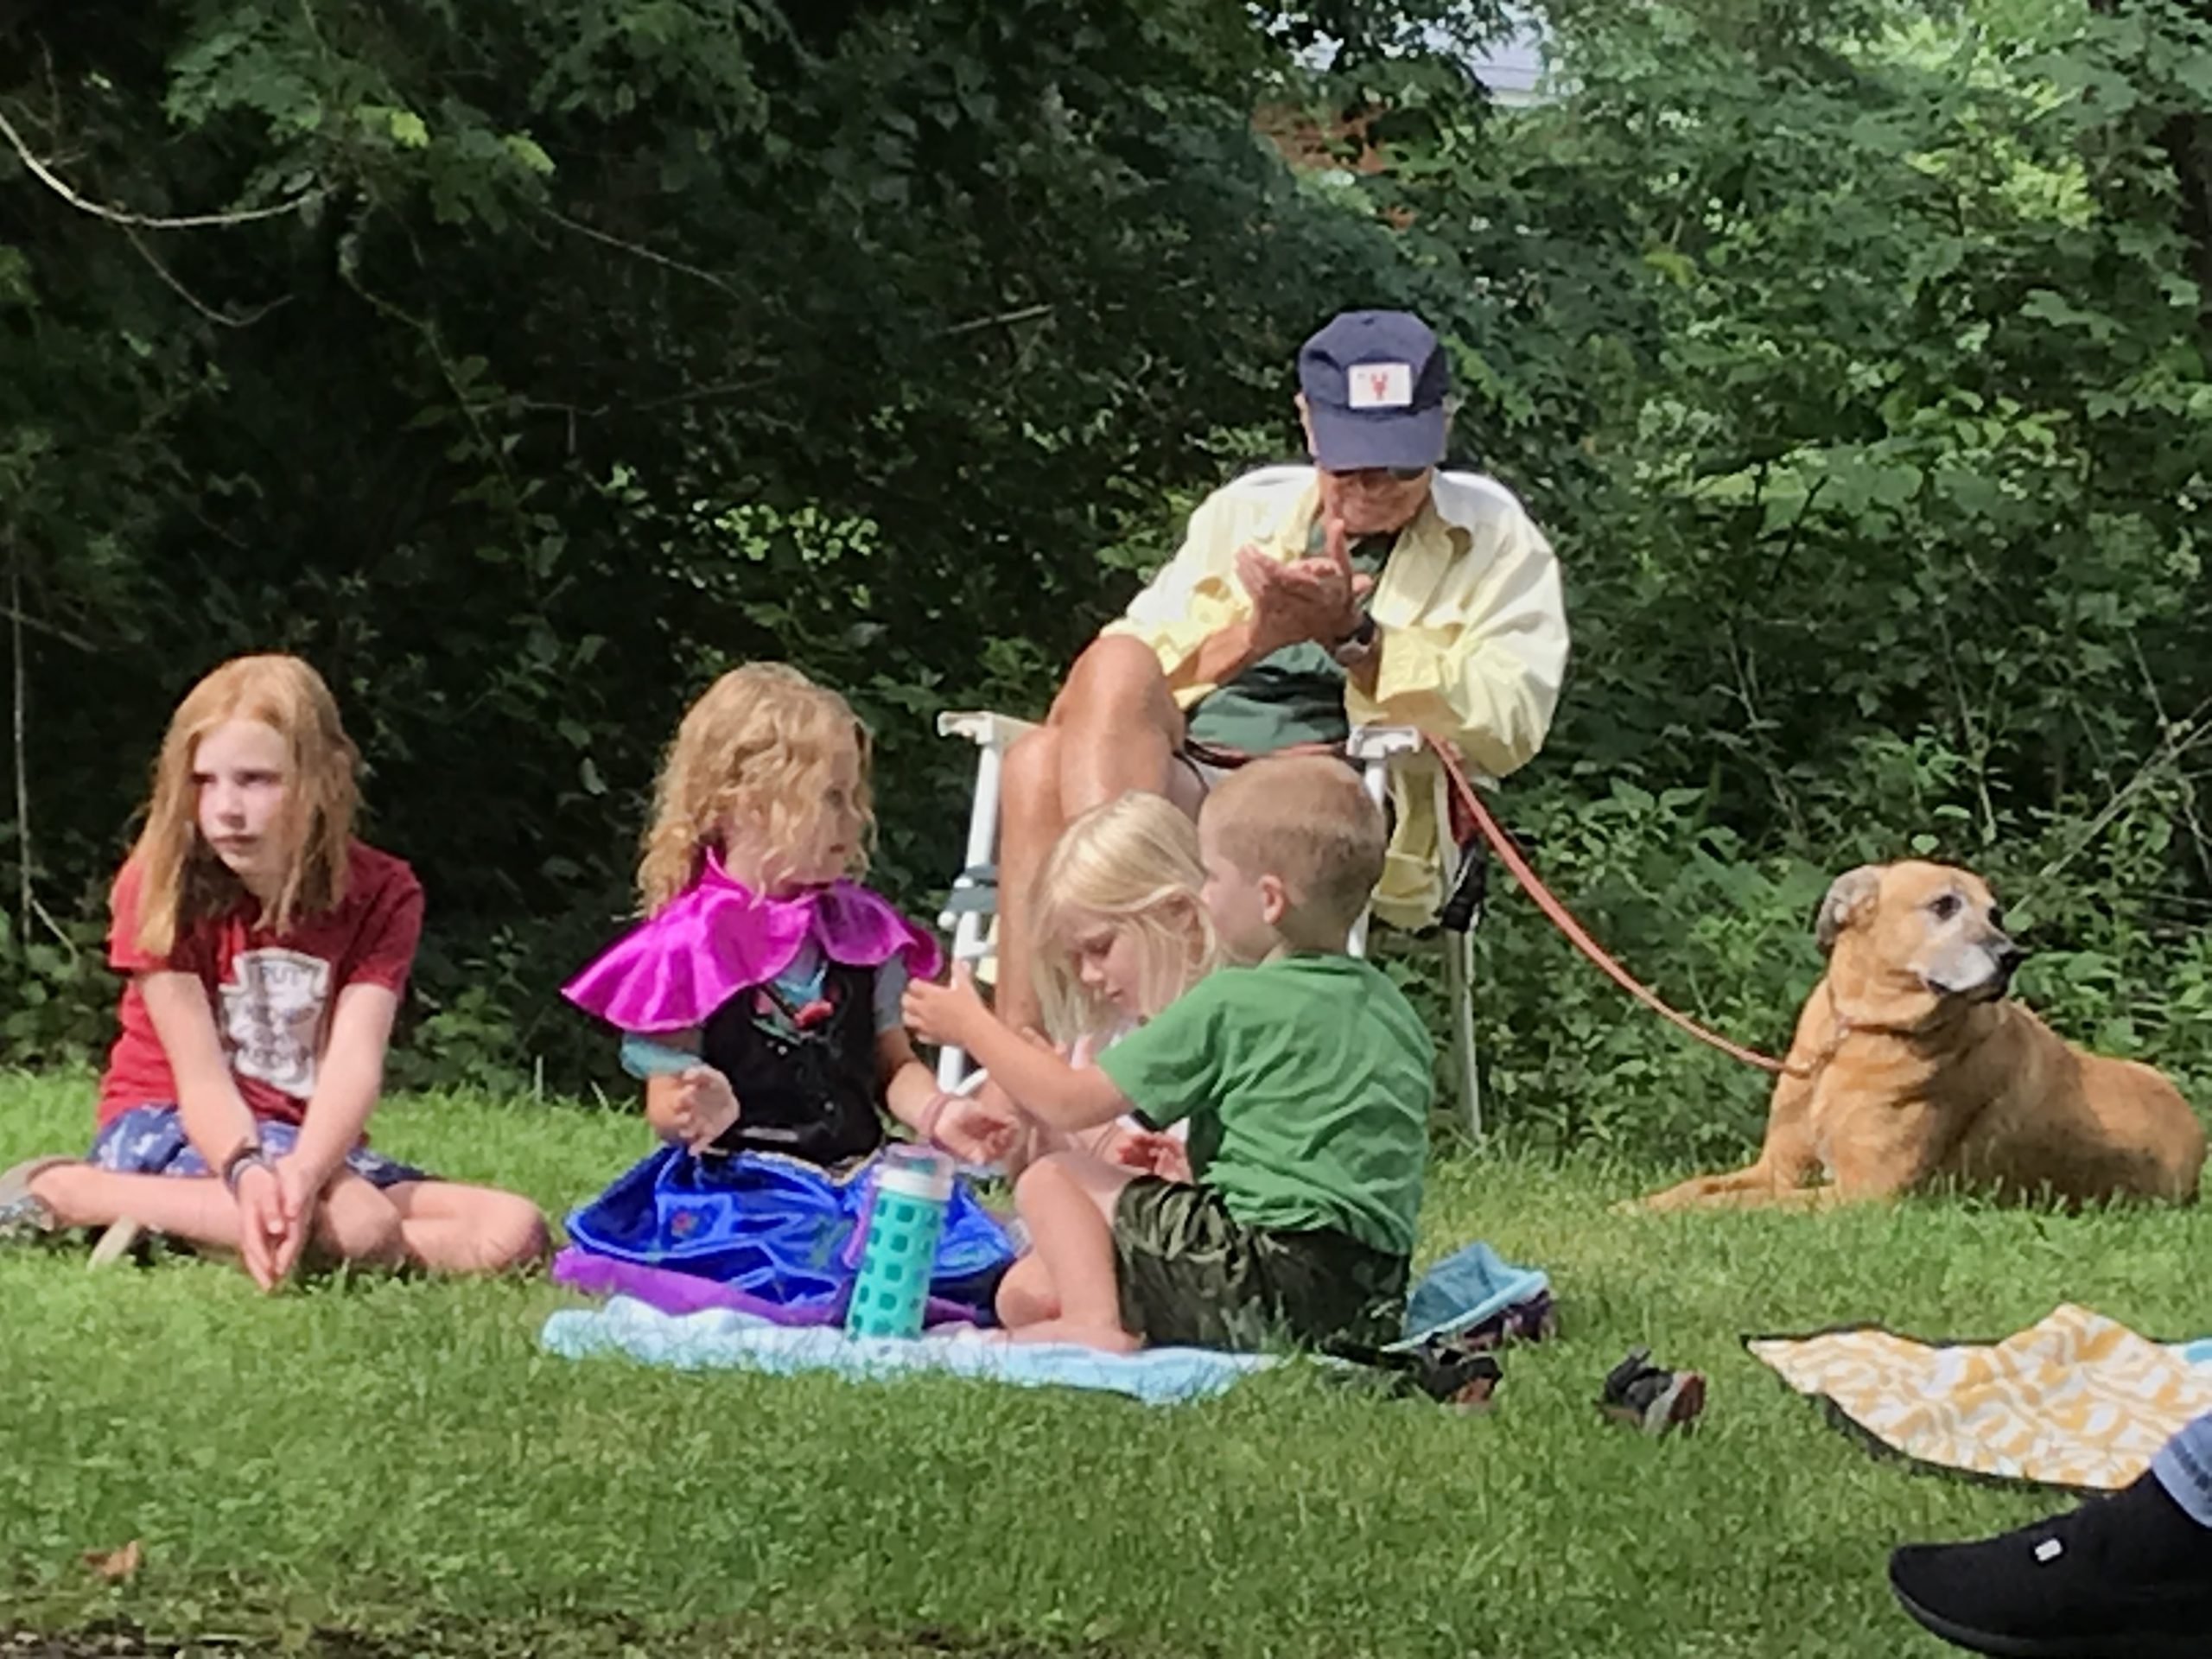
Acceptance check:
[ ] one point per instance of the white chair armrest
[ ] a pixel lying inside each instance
(1395, 742)
(982, 728)
(1382, 743)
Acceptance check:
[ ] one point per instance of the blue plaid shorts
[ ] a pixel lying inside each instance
(150, 1140)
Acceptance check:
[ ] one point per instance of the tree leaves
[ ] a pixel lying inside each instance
(1850, 354)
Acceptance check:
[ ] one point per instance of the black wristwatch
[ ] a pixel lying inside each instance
(1357, 646)
(248, 1155)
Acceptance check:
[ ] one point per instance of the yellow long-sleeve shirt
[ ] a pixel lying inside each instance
(1474, 636)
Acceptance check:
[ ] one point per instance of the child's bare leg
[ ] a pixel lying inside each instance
(451, 1227)
(1025, 1295)
(439, 1224)
(193, 1208)
(1067, 1202)
(357, 1224)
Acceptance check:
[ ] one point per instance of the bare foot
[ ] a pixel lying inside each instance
(1108, 1339)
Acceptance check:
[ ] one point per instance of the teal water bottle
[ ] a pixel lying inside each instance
(913, 1186)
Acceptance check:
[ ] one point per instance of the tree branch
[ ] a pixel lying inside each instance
(21, 618)
(1026, 313)
(641, 251)
(143, 221)
(25, 896)
(2189, 784)
(192, 299)
(2181, 737)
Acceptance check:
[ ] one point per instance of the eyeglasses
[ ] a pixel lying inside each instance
(1396, 474)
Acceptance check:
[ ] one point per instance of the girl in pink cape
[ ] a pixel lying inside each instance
(759, 1000)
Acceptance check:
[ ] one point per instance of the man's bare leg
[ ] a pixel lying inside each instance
(1030, 821)
(1118, 723)
(1114, 727)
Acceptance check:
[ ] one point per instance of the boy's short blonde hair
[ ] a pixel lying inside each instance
(1309, 822)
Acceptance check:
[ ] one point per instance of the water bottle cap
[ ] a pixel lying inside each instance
(915, 1173)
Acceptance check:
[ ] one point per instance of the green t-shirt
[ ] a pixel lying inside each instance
(1292, 696)
(1307, 1081)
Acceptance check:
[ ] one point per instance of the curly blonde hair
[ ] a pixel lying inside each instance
(180, 879)
(1131, 864)
(756, 751)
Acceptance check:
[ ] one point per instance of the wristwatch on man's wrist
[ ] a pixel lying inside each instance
(1357, 646)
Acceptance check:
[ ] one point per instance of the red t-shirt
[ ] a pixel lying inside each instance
(271, 993)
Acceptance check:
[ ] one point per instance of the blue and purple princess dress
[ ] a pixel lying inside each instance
(769, 1220)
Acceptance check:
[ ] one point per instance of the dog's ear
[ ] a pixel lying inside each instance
(1849, 894)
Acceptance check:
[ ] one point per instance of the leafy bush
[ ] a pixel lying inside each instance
(1853, 355)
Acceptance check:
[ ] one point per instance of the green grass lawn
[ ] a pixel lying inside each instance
(381, 1467)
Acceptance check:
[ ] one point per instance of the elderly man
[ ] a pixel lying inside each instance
(1368, 589)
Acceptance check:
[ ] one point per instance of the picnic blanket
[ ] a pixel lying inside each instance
(2076, 1400)
(715, 1338)
(1470, 1290)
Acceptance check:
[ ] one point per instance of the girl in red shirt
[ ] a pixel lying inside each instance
(266, 950)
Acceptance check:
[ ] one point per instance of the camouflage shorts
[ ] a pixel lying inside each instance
(1192, 1275)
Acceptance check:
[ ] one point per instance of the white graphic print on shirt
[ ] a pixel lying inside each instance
(272, 1017)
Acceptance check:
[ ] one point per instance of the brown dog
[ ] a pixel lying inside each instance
(1909, 1067)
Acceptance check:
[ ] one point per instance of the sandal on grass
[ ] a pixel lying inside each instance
(120, 1241)
(24, 1216)
(1650, 1397)
(1449, 1370)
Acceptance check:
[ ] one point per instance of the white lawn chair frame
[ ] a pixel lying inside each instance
(974, 899)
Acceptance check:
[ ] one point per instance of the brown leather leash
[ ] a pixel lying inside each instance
(1577, 935)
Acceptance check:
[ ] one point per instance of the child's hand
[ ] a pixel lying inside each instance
(1154, 1153)
(974, 1131)
(704, 1108)
(300, 1190)
(263, 1225)
(946, 1015)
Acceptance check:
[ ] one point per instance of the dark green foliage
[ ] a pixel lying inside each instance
(1853, 355)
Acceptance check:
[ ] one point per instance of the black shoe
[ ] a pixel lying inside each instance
(2127, 1577)
(1461, 1376)
(1650, 1397)
(1446, 1369)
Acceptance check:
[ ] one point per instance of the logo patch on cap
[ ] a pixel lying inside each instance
(1379, 385)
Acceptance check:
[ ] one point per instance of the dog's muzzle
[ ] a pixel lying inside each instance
(2008, 956)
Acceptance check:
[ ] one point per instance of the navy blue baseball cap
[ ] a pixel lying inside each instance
(1374, 383)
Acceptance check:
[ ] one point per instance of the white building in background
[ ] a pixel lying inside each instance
(1512, 72)
(1511, 69)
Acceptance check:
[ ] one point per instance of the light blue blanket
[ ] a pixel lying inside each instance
(1466, 1287)
(721, 1337)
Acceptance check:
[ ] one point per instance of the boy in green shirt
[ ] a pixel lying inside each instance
(1305, 1076)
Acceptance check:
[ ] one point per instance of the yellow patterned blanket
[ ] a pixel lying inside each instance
(2076, 1400)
